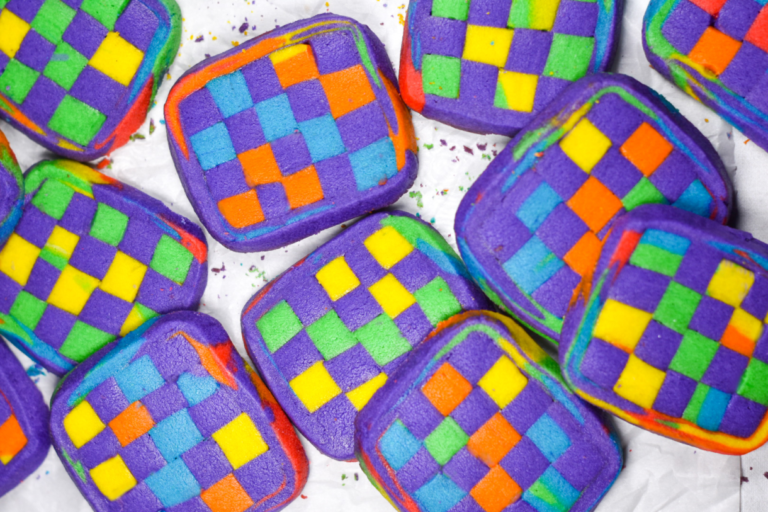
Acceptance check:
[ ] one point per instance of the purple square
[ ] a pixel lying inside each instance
(93, 257)
(296, 356)
(262, 476)
(164, 402)
(199, 111)
(617, 173)
(54, 326)
(419, 470)
(175, 357)
(334, 51)
(79, 215)
(85, 34)
(474, 356)
(139, 240)
(746, 68)
(352, 368)
(108, 400)
(207, 463)
(43, 100)
(698, 267)
(442, 36)
(756, 301)
(273, 201)
(639, 288)
(140, 497)
(725, 370)
(761, 347)
(308, 100)
(102, 447)
(291, 153)
(390, 367)
(336, 177)
(143, 458)
(309, 302)
(674, 175)
(365, 267)
(414, 324)
(327, 420)
(658, 345)
(98, 90)
(736, 17)
(474, 411)
(547, 90)
(603, 363)
(509, 233)
(155, 293)
(478, 83)
(580, 464)
(711, 317)
(262, 80)
(245, 131)
(758, 96)
(560, 173)
(555, 295)
(525, 463)
(9, 290)
(362, 127)
(685, 25)
(35, 226)
(226, 180)
(25, 9)
(357, 308)
(465, 469)
(215, 411)
(576, 18)
(742, 417)
(419, 415)
(105, 312)
(616, 118)
(35, 51)
(527, 407)
(561, 230)
(42, 279)
(489, 13)
(414, 271)
(529, 52)
(137, 25)
(675, 394)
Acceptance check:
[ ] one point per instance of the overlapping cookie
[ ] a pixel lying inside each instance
(90, 260)
(329, 333)
(530, 229)
(78, 76)
(11, 190)
(488, 66)
(291, 133)
(478, 418)
(672, 335)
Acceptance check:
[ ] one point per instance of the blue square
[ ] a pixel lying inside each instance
(213, 146)
(374, 164)
(535, 210)
(532, 266)
(559, 486)
(175, 435)
(230, 93)
(139, 379)
(695, 199)
(439, 494)
(673, 243)
(196, 389)
(713, 410)
(398, 445)
(549, 438)
(174, 484)
(276, 117)
(322, 137)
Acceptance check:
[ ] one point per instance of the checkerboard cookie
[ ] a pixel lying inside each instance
(716, 51)
(489, 66)
(11, 189)
(291, 133)
(23, 423)
(78, 76)
(329, 333)
(671, 336)
(531, 227)
(479, 419)
(90, 260)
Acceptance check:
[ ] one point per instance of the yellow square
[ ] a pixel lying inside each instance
(62, 242)
(337, 278)
(82, 424)
(393, 297)
(621, 325)
(503, 382)
(731, 283)
(240, 441)
(639, 382)
(113, 478)
(124, 277)
(585, 145)
(544, 14)
(388, 246)
(136, 317)
(117, 58)
(315, 387)
(13, 30)
(72, 290)
(519, 90)
(362, 394)
(17, 259)
(746, 324)
(489, 45)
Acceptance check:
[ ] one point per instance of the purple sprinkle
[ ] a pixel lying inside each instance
(199, 39)
(468, 150)
(243, 27)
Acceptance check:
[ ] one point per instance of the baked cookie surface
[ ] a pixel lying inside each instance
(11, 190)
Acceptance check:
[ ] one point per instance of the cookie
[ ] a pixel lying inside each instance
(78, 76)
(290, 133)
(170, 416)
(478, 418)
(531, 227)
(11, 190)
(90, 260)
(716, 51)
(331, 330)
(488, 66)
(671, 337)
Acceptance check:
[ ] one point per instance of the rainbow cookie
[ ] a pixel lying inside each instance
(671, 336)
(11, 190)
(328, 333)
(716, 51)
(478, 419)
(531, 227)
(291, 133)
(78, 76)
(488, 66)
(92, 259)
(170, 418)
(23, 423)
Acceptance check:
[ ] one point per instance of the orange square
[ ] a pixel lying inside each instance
(12, 439)
(583, 256)
(734, 340)
(758, 32)
(446, 389)
(347, 90)
(260, 166)
(496, 491)
(715, 50)
(493, 440)
(294, 65)
(595, 204)
(227, 495)
(711, 6)
(242, 210)
(132, 423)
(303, 188)
(646, 149)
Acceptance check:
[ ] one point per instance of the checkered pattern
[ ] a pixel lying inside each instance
(68, 65)
(727, 37)
(682, 333)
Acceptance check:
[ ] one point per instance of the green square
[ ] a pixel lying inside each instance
(17, 80)
(331, 336)
(657, 259)
(454, 9)
(446, 440)
(54, 259)
(52, 20)
(76, 121)
(3, 3)
(28, 309)
(106, 11)
(53, 198)
(754, 382)
(83, 340)
(109, 225)
(540, 490)
(569, 57)
(677, 307)
(520, 14)
(643, 193)
(694, 355)
(693, 409)
(66, 66)
(437, 301)
(171, 259)
(383, 340)
(441, 75)
(278, 325)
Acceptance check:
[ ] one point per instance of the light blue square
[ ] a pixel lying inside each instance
(230, 93)
(175, 435)
(535, 210)
(695, 199)
(276, 117)
(139, 379)
(196, 389)
(713, 410)
(322, 137)
(566, 493)
(173, 484)
(532, 266)
(673, 243)
(213, 146)
(374, 164)
(398, 445)
(439, 494)
(548, 437)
